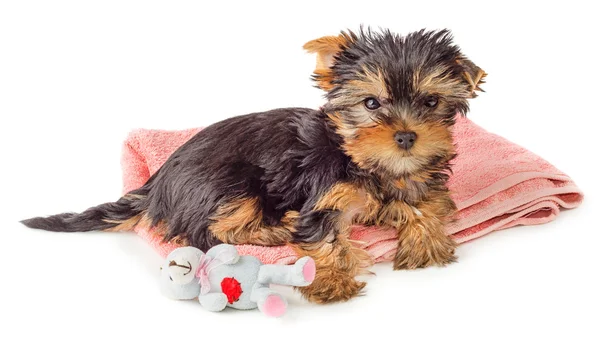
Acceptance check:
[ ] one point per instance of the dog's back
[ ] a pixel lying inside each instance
(254, 171)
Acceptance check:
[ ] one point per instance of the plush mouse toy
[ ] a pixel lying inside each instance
(222, 278)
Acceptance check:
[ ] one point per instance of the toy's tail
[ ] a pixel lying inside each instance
(123, 214)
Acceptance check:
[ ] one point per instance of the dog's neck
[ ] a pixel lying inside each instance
(388, 188)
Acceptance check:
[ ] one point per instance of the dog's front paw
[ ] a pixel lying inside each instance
(421, 248)
(332, 286)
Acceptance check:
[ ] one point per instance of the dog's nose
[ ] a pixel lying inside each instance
(405, 140)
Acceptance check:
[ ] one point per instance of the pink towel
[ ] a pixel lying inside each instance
(495, 183)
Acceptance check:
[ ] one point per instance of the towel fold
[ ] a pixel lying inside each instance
(495, 184)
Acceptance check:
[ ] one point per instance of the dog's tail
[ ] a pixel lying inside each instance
(121, 215)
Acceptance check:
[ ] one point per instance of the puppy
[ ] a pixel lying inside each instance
(377, 153)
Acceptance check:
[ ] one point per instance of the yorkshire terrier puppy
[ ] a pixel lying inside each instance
(377, 153)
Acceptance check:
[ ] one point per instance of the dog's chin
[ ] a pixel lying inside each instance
(407, 165)
(401, 165)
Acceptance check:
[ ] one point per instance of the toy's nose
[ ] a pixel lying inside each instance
(405, 140)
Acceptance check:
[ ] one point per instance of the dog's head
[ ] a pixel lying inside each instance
(394, 98)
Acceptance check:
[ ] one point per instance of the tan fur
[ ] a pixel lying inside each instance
(473, 75)
(357, 205)
(131, 223)
(337, 258)
(422, 240)
(342, 128)
(133, 196)
(162, 229)
(326, 48)
(123, 226)
(240, 222)
(375, 146)
(145, 222)
(371, 84)
(338, 262)
(400, 183)
(371, 144)
(438, 82)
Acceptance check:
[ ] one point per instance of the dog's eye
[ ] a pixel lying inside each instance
(371, 103)
(431, 101)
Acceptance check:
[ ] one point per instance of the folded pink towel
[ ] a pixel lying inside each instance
(495, 184)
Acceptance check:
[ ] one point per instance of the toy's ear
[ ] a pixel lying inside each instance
(326, 48)
(225, 253)
(472, 75)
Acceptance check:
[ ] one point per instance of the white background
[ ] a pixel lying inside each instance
(76, 76)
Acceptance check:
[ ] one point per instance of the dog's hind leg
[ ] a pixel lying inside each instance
(240, 221)
(323, 233)
(338, 261)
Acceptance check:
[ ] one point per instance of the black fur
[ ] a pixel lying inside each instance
(92, 219)
(286, 157)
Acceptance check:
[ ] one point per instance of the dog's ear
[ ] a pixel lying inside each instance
(472, 75)
(326, 49)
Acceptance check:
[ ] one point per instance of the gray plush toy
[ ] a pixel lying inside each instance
(222, 278)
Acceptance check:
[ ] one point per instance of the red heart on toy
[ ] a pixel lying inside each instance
(232, 289)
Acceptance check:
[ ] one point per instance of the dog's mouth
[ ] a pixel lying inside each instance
(404, 154)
